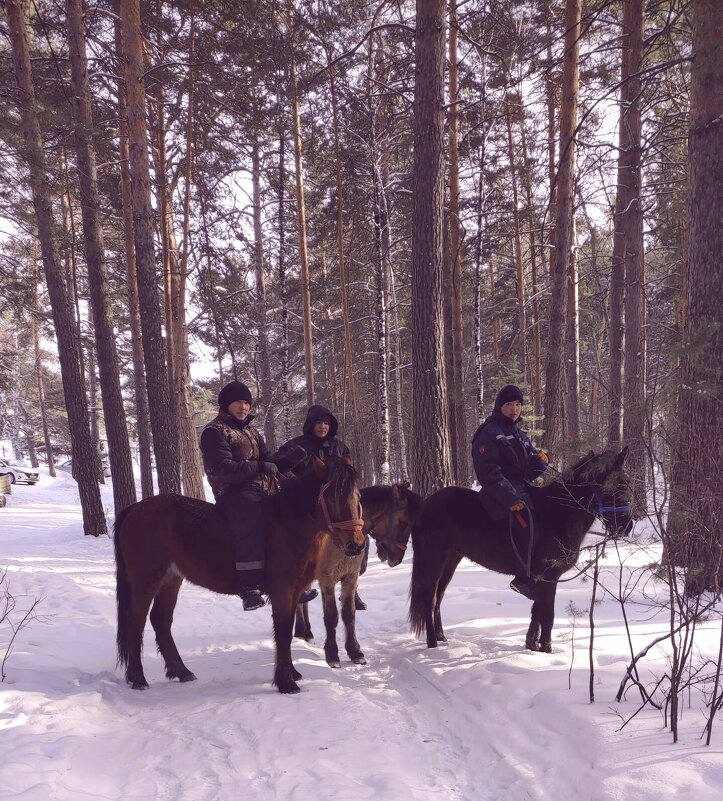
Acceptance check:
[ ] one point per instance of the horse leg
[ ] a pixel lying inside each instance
(331, 620)
(547, 616)
(161, 620)
(539, 634)
(448, 571)
(348, 616)
(138, 612)
(302, 625)
(282, 612)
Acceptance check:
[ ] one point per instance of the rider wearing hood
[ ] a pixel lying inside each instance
(505, 461)
(318, 438)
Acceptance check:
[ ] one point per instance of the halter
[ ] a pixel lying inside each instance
(603, 508)
(356, 524)
(389, 515)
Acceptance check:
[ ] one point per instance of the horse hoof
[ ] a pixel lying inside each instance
(333, 663)
(188, 677)
(545, 648)
(290, 689)
(359, 660)
(139, 685)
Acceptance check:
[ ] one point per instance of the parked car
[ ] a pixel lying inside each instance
(17, 471)
(67, 467)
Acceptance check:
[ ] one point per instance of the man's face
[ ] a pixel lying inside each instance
(512, 409)
(239, 409)
(321, 428)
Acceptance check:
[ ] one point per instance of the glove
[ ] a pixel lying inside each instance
(268, 468)
(517, 506)
(296, 455)
(544, 456)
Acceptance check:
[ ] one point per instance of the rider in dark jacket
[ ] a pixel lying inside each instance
(241, 472)
(318, 438)
(505, 461)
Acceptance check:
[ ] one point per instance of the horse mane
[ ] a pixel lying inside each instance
(298, 496)
(588, 468)
(382, 493)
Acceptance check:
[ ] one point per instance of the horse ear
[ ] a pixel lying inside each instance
(399, 495)
(395, 493)
(405, 485)
(620, 458)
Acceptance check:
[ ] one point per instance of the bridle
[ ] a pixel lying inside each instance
(389, 514)
(602, 508)
(356, 524)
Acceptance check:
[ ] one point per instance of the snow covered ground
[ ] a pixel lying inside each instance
(477, 719)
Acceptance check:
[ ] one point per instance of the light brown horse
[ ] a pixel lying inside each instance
(389, 514)
(161, 541)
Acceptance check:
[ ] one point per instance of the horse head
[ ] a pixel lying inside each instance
(339, 503)
(391, 526)
(610, 497)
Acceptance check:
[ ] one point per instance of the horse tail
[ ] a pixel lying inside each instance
(420, 594)
(122, 591)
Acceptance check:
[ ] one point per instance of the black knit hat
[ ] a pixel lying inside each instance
(507, 394)
(235, 391)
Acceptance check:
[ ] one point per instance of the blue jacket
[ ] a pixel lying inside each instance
(504, 461)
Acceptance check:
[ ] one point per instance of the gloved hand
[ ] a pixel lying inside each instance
(295, 455)
(517, 506)
(544, 456)
(268, 468)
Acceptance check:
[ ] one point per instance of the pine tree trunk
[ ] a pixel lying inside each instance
(39, 370)
(191, 467)
(381, 245)
(261, 312)
(301, 223)
(349, 374)
(68, 344)
(519, 271)
(554, 368)
(162, 410)
(461, 466)
(430, 455)
(119, 452)
(283, 290)
(634, 411)
(572, 346)
(143, 420)
(695, 520)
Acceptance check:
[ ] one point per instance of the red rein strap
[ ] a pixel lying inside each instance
(347, 525)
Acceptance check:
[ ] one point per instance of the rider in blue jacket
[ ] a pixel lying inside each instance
(505, 461)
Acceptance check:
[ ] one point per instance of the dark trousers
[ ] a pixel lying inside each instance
(246, 520)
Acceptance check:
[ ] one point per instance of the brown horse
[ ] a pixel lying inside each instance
(161, 540)
(389, 514)
(453, 524)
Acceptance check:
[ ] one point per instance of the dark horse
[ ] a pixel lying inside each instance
(453, 524)
(162, 540)
(389, 514)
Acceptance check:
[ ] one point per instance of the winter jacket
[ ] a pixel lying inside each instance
(504, 461)
(331, 445)
(232, 453)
